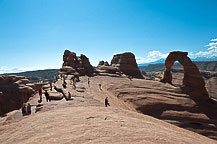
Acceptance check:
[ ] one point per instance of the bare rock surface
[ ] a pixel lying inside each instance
(95, 125)
(167, 102)
(14, 91)
(84, 119)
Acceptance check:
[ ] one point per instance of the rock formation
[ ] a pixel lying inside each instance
(103, 63)
(124, 63)
(192, 77)
(75, 65)
(15, 90)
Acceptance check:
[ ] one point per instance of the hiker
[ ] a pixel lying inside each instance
(50, 86)
(106, 102)
(40, 95)
(100, 86)
(47, 96)
(29, 109)
(64, 84)
(74, 86)
(24, 109)
(88, 81)
(63, 76)
(69, 95)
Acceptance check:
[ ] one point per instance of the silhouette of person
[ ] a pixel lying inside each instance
(69, 95)
(47, 96)
(29, 109)
(100, 86)
(51, 86)
(106, 102)
(88, 81)
(40, 95)
(24, 109)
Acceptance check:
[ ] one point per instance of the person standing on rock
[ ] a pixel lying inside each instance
(100, 86)
(69, 95)
(24, 109)
(47, 96)
(88, 81)
(106, 102)
(29, 109)
(50, 86)
(40, 95)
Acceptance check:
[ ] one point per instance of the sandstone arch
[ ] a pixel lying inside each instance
(192, 77)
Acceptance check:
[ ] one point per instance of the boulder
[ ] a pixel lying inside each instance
(55, 96)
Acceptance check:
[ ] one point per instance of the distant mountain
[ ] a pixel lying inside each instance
(202, 65)
(154, 62)
(160, 61)
(38, 75)
(214, 58)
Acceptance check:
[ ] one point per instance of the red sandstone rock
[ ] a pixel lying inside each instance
(192, 77)
(73, 64)
(14, 92)
(126, 63)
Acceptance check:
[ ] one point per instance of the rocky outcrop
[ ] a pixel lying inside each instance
(121, 64)
(103, 63)
(192, 77)
(126, 63)
(75, 65)
(14, 91)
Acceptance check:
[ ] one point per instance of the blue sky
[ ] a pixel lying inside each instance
(35, 33)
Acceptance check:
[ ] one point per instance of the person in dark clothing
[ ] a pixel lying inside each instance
(51, 86)
(88, 81)
(47, 96)
(69, 95)
(100, 86)
(29, 109)
(40, 95)
(24, 109)
(106, 102)
(64, 85)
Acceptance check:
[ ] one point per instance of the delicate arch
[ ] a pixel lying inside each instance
(192, 76)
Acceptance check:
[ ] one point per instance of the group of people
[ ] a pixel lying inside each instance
(47, 96)
(26, 110)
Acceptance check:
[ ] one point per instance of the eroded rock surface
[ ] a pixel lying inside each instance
(76, 65)
(14, 91)
(126, 63)
(121, 64)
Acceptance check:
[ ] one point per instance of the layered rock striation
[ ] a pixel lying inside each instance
(14, 91)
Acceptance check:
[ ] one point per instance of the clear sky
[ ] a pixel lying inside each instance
(35, 33)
